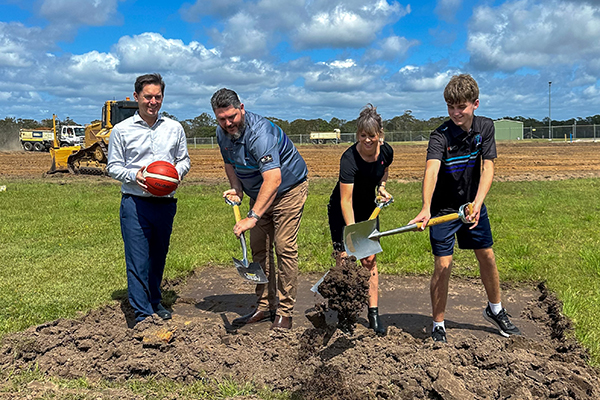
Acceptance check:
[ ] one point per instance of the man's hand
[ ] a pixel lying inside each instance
(423, 218)
(233, 195)
(243, 225)
(139, 178)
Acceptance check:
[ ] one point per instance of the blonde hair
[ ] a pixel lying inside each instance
(461, 88)
(369, 121)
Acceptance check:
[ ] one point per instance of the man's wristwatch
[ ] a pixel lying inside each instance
(252, 214)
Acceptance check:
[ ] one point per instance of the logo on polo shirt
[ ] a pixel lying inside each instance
(266, 159)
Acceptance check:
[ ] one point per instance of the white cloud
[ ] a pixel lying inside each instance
(527, 34)
(424, 79)
(80, 12)
(342, 76)
(391, 48)
(446, 9)
(20, 45)
(243, 36)
(342, 26)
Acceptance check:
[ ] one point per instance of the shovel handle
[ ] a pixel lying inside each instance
(375, 213)
(236, 212)
(380, 205)
(440, 220)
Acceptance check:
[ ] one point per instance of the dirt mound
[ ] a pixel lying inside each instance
(346, 289)
(199, 343)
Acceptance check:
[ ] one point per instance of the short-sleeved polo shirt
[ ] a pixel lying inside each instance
(461, 154)
(261, 147)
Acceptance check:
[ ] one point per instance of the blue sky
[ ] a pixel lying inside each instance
(300, 58)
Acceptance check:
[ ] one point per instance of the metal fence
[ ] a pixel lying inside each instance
(305, 139)
(563, 132)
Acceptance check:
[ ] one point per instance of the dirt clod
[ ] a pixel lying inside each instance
(346, 289)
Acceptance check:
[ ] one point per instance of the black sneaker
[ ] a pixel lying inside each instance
(162, 312)
(501, 321)
(439, 334)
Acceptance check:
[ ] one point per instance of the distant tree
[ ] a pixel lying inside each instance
(349, 126)
(27, 123)
(204, 125)
(68, 121)
(170, 116)
(282, 123)
(47, 123)
(403, 123)
(336, 123)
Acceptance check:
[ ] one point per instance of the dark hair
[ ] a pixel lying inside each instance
(461, 88)
(149, 79)
(369, 121)
(225, 98)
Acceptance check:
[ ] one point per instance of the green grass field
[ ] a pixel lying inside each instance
(62, 253)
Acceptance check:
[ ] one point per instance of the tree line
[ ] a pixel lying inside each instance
(204, 125)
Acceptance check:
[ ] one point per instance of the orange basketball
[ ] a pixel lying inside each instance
(161, 178)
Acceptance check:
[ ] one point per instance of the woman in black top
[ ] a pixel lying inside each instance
(364, 170)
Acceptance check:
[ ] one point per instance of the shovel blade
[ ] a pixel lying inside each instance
(357, 242)
(252, 273)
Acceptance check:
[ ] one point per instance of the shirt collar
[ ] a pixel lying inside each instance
(138, 119)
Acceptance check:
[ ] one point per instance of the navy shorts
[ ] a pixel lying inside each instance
(442, 236)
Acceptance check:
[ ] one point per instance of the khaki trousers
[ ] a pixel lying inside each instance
(278, 229)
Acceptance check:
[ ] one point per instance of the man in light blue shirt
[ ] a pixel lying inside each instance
(146, 220)
(262, 162)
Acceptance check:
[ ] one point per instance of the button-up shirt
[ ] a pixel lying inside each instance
(134, 144)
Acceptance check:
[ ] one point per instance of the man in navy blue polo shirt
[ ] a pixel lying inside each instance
(460, 170)
(262, 162)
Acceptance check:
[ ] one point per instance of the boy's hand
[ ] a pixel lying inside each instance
(423, 217)
(473, 216)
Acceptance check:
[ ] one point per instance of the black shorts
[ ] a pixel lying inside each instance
(442, 236)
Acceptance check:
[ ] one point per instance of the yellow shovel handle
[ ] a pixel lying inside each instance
(439, 220)
(375, 213)
(236, 211)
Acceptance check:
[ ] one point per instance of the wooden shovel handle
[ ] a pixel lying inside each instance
(236, 212)
(375, 213)
(439, 220)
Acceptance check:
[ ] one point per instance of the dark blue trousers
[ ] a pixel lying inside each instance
(146, 225)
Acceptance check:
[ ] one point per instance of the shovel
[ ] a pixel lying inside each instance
(252, 272)
(380, 204)
(362, 239)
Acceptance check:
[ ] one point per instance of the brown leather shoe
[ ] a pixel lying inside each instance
(282, 322)
(254, 317)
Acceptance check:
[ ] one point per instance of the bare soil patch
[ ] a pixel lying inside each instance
(199, 342)
(516, 161)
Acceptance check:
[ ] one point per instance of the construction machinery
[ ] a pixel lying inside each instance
(323, 137)
(92, 158)
(43, 139)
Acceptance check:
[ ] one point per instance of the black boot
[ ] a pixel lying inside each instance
(375, 322)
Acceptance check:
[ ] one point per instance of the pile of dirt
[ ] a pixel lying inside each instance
(402, 365)
(346, 289)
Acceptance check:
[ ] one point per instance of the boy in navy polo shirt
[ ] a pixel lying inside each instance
(460, 170)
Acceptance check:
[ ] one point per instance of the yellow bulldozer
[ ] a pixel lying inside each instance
(92, 158)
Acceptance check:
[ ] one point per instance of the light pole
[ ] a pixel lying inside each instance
(550, 110)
